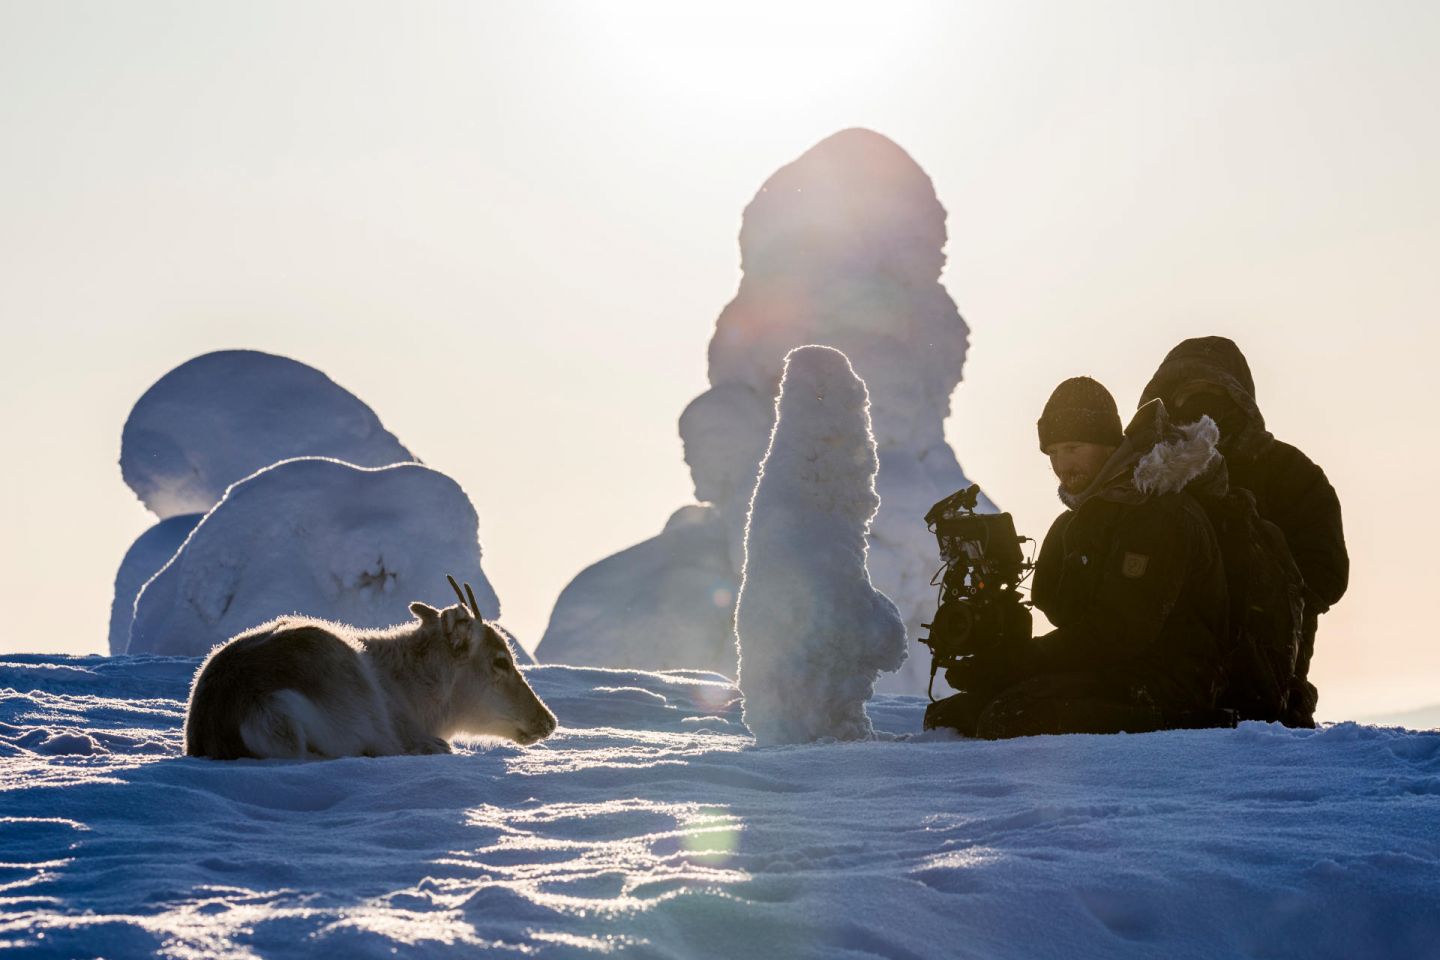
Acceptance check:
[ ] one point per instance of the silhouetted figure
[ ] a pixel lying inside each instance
(1130, 575)
(1209, 376)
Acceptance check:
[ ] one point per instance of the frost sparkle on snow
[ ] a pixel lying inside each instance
(649, 826)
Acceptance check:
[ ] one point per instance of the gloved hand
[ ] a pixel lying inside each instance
(992, 669)
(973, 674)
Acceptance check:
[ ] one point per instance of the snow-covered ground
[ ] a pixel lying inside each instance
(650, 826)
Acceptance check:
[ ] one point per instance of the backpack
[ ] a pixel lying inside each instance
(1267, 603)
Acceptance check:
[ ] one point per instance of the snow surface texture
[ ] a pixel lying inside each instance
(649, 826)
(813, 633)
(150, 551)
(316, 537)
(220, 417)
(842, 247)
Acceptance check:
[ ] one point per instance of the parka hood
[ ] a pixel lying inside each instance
(1158, 457)
(1217, 361)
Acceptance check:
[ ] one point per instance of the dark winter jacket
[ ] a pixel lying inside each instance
(1290, 490)
(1131, 575)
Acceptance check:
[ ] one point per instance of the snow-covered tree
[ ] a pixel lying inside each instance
(219, 417)
(842, 247)
(316, 537)
(146, 556)
(813, 633)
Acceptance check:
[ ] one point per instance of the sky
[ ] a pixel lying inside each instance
(551, 192)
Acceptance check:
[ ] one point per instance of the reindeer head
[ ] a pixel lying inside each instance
(489, 696)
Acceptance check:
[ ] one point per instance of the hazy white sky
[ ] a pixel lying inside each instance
(552, 192)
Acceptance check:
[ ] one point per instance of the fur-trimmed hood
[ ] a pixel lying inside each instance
(1217, 361)
(1158, 457)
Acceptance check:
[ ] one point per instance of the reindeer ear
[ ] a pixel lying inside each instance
(424, 611)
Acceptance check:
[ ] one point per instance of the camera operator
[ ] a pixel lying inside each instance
(1130, 575)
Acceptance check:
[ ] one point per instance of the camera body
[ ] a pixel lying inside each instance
(980, 604)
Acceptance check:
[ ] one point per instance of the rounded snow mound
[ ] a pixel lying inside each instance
(220, 417)
(320, 538)
(150, 551)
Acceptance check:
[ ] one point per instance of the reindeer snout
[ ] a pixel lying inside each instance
(542, 728)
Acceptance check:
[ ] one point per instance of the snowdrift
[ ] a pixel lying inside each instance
(649, 825)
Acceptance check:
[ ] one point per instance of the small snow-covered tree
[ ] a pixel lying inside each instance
(812, 631)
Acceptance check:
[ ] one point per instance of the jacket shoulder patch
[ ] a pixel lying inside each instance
(1134, 565)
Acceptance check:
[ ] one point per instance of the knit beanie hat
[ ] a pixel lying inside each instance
(1080, 410)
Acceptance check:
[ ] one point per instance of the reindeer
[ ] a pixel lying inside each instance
(300, 688)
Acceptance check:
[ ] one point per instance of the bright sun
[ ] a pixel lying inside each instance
(744, 54)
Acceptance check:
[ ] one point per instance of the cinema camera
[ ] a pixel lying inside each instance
(980, 603)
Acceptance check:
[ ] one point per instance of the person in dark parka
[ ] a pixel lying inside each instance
(1209, 376)
(1130, 576)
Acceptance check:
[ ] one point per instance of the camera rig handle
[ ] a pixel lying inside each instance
(979, 603)
(961, 501)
